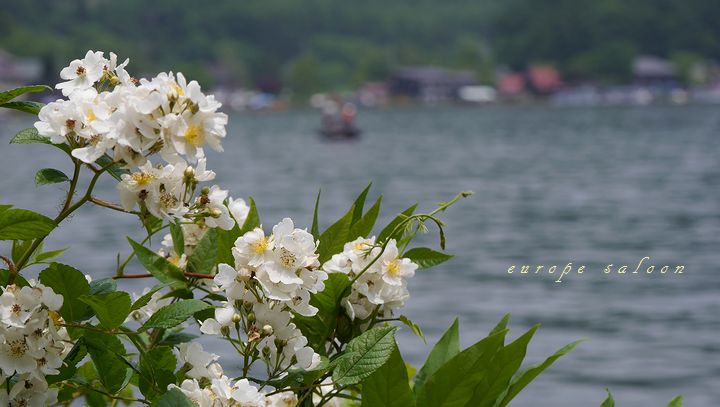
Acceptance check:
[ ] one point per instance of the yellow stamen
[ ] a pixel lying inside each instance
(393, 268)
(142, 178)
(194, 135)
(260, 246)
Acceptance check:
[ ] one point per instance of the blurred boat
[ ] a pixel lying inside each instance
(344, 132)
(338, 121)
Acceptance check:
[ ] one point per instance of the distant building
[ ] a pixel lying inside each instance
(429, 84)
(373, 94)
(654, 71)
(511, 85)
(16, 71)
(543, 79)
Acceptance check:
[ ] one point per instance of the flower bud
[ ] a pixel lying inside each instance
(248, 306)
(189, 172)
(236, 318)
(205, 190)
(215, 213)
(251, 317)
(225, 331)
(267, 330)
(266, 351)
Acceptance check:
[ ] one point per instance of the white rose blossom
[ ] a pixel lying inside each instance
(33, 342)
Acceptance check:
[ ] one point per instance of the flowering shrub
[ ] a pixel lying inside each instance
(311, 315)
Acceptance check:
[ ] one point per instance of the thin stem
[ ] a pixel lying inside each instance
(110, 205)
(106, 394)
(147, 275)
(67, 210)
(121, 267)
(12, 271)
(73, 185)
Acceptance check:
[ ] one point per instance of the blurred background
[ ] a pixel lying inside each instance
(588, 130)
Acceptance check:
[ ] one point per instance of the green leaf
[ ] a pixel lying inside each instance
(454, 382)
(499, 372)
(108, 356)
(178, 238)
(425, 257)
(22, 224)
(528, 375)
(359, 204)
(157, 368)
(173, 398)
(24, 106)
(174, 314)
(19, 280)
(385, 234)
(71, 284)
(364, 355)
(300, 377)
(5, 207)
(502, 325)
(114, 170)
(69, 367)
(157, 265)
(609, 401)
(334, 238)
(111, 308)
(50, 176)
(445, 349)
(203, 258)
(388, 386)
(319, 327)
(413, 326)
(19, 247)
(176, 338)
(45, 256)
(13, 93)
(364, 226)
(253, 218)
(103, 286)
(30, 136)
(676, 402)
(145, 298)
(315, 229)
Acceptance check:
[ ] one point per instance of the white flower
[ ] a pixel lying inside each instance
(58, 119)
(82, 74)
(204, 364)
(239, 210)
(15, 354)
(284, 399)
(231, 281)
(220, 217)
(252, 248)
(222, 393)
(294, 249)
(191, 388)
(18, 305)
(382, 283)
(247, 395)
(393, 268)
(30, 392)
(223, 318)
(155, 303)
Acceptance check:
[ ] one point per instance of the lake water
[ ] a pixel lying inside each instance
(587, 186)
